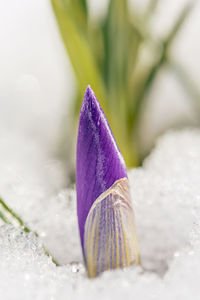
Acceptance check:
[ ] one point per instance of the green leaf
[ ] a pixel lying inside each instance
(84, 5)
(79, 52)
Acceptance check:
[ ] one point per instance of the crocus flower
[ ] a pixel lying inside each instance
(105, 214)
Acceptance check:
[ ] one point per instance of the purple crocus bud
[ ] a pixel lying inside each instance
(105, 214)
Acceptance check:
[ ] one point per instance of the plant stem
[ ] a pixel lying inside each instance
(11, 212)
(22, 225)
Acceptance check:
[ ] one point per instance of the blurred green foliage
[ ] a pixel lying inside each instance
(107, 54)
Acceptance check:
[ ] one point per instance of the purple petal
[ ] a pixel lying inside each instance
(99, 161)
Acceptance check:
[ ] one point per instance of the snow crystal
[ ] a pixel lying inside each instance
(166, 199)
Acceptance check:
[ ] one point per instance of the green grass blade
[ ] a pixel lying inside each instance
(179, 23)
(84, 5)
(163, 58)
(11, 212)
(3, 218)
(21, 223)
(79, 52)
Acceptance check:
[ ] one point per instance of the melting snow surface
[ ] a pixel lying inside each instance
(166, 198)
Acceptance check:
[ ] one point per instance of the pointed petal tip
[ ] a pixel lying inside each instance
(89, 89)
(89, 94)
(90, 101)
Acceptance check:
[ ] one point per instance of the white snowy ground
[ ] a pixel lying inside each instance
(166, 198)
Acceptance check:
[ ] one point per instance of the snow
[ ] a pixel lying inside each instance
(166, 199)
